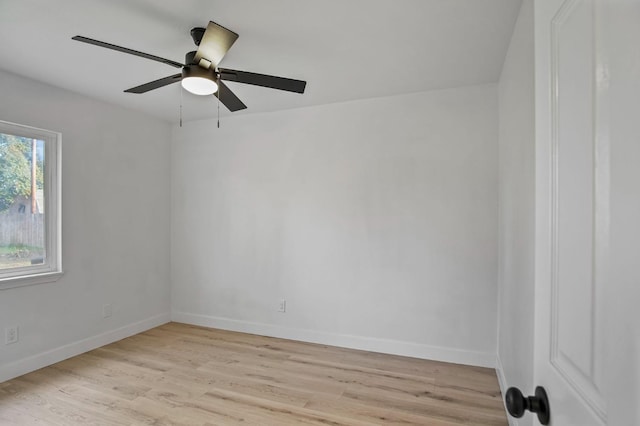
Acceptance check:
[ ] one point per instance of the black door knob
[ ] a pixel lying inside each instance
(517, 404)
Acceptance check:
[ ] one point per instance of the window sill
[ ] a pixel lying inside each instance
(25, 280)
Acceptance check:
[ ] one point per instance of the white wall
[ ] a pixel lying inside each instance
(516, 212)
(116, 239)
(375, 219)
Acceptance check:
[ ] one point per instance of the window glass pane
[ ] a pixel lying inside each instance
(22, 207)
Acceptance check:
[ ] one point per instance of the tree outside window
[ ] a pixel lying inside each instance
(21, 204)
(29, 204)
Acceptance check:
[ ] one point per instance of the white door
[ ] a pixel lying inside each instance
(587, 210)
(622, 376)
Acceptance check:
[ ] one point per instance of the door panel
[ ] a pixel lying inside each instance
(578, 231)
(572, 211)
(587, 210)
(573, 192)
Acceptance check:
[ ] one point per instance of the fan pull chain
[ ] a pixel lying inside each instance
(181, 90)
(219, 95)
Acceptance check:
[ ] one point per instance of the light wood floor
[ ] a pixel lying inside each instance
(178, 374)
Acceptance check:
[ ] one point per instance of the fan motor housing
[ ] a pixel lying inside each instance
(193, 70)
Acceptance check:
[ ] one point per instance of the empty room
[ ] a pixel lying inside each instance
(281, 212)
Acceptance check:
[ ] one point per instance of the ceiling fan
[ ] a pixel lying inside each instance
(200, 72)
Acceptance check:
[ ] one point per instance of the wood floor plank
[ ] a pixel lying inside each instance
(371, 414)
(179, 374)
(266, 412)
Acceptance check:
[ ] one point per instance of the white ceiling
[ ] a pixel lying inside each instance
(344, 49)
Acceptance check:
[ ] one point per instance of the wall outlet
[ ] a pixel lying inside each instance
(107, 310)
(283, 306)
(11, 335)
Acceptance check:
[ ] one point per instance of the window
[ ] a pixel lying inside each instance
(30, 211)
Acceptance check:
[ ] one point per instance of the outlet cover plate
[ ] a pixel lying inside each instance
(107, 310)
(11, 335)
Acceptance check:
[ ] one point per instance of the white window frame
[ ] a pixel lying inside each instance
(51, 269)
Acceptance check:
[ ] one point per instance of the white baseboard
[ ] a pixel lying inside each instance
(34, 362)
(395, 347)
(502, 381)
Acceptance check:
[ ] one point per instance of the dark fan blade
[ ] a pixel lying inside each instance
(270, 81)
(228, 98)
(216, 41)
(129, 51)
(155, 84)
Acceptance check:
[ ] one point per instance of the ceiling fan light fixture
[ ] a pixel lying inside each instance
(200, 85)
(199, 81)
